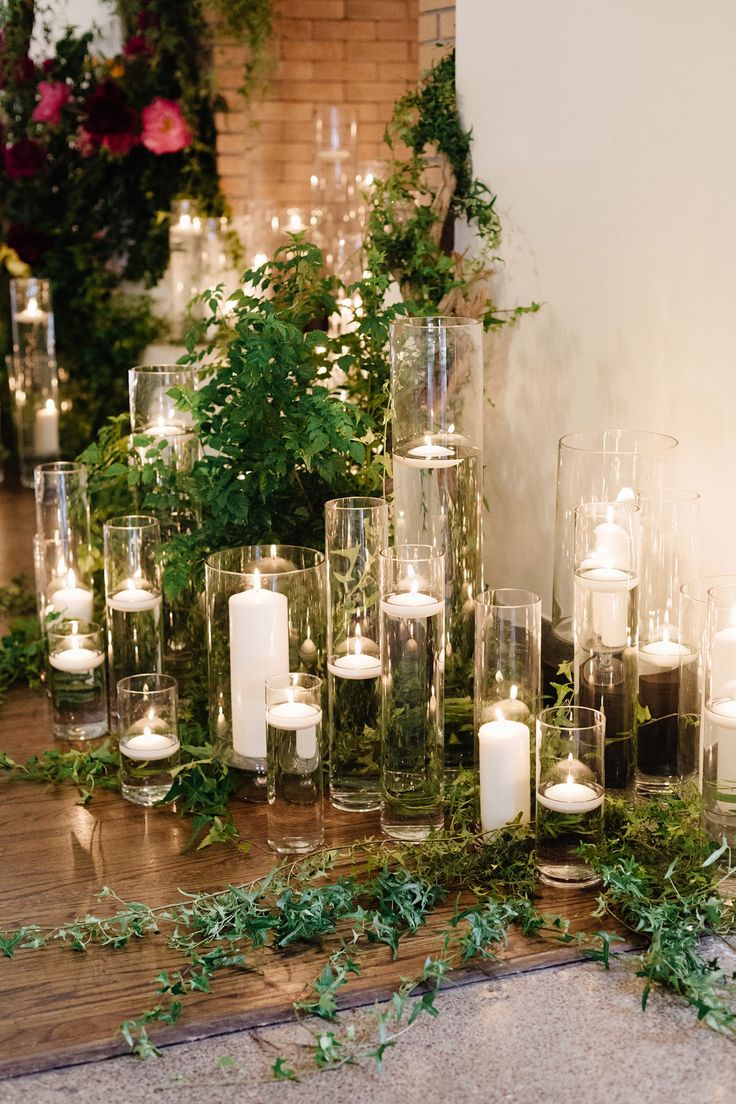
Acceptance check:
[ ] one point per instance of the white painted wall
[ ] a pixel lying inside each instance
(608, 130)
(84, 15)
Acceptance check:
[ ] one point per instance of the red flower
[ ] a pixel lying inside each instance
(29, 243)
(164, 128)
(108, 113)
(85, 143)
(136, 46)
(120, 143)
(24, 158)
(54, 94)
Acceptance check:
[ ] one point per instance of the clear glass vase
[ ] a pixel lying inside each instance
(33, 377)
(437, 431)
(148, 704)
(265, 616)
(62, 501)
(294, 762)
(719, 715)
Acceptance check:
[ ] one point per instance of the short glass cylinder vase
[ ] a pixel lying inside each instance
(670, 555)
(356, 529)
(63, 576)
(62, 501)
(133, 600)
(610, 465)
(692, 635)
(265, 616)
(606, 616)
(508, 631)
(149, 736)
(76, 676)
(570, 792)
(153, 410)
(294, 762)
(412, 690)
(437, 428)
(719, 715)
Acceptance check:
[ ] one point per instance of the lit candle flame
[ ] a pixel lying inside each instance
(358, 641)
(513, 692)
(50, 406)
(570, 778)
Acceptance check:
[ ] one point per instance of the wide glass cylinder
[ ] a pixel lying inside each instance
(63, 575)
(265, 616)
(152, 408)
(719, 715)
(692, 635)
(133, 600)
(148, 706)
(570, 792)
(356, 529)
(508, 631)
(76, 677)
(294, 762)
(62, 500)
(600, 466)
(606, 613)
(670, 555)
(437, 430)
(412, 690)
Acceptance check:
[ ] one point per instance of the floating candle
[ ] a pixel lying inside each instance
(134, 598)
(300, 717)
(76, 660)
(150, 745)
(570, 797)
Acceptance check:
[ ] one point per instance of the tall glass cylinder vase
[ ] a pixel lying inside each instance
(599, 466)
(33, 377)
(356, 529)
(412, 690)
(265, 616)
(185, 262)
(294, 762)
(63, 576)
(133, 600)
(437, 399)
(692, 635)
(508, 631)
(719, 715)
(62, 500)
(607, 553)
(670, 554)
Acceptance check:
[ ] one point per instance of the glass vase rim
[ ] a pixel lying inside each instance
(590, 509)
(59, 467)
(165, 684)
(424, 321)
(132, 521)
(21, 281)
(702, 581)
(163, 368)
(573, 441)
(295, 680)
(483, 599)
(672, 494)
(716, 595)
(596, 717)
(353, 502)
(65, 628)
(319, 560)
(407, 552)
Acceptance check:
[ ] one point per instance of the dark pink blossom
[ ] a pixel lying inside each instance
(24, 158)
(164, 128)
(54, 94)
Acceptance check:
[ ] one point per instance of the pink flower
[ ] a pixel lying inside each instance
(164, 128)
(54, 94)
(85, 143)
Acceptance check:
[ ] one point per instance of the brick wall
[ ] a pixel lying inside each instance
(361, 53)
(436, 30)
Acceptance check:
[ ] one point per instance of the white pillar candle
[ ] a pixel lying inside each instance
(570, 797)
(504, 773)
(610, 588)
(299, 717)
(259, 648)
(150, 745)
(133, 598)
(76, 660)
(723, 662)
(46, 430)
(73, 602)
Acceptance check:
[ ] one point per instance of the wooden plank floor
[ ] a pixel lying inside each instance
(60, 1007)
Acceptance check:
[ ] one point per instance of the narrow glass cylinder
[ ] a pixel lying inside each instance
(34, 388)
(294, 762)
(185, 262)
(599, 466)
(32, 319)
(356, 529)
(692, 635)
(265, 616)
(606, 613)
(570, 792)
(719, 715)
(153, 410)
(508, 631)
(63, 575)
(149, 736)
(76, 675)
(62, 501)
(670, 555)
(437, 427)
(133, 599)
(412, 690)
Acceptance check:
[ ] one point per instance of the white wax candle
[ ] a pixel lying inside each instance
(611, 545)
(76, 660)
(73, 602)
(504, 773)
(46, 430)
(411, 603)
(355, 665)
(723, 662)
(133, 599)
(570, 797)
(32, 315)
(150, 745)
(151, 723)
(429, 455)
(723, 715)
(300, 717)
(610, 603)
(259, 648)
(662, 655)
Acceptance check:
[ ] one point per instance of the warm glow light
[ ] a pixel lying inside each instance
(358, 641)
(513, 692)
(256, 579)
(50, 406)
(570, 778)
(259, 259)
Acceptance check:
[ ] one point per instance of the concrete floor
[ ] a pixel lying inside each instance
(564, 1035)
